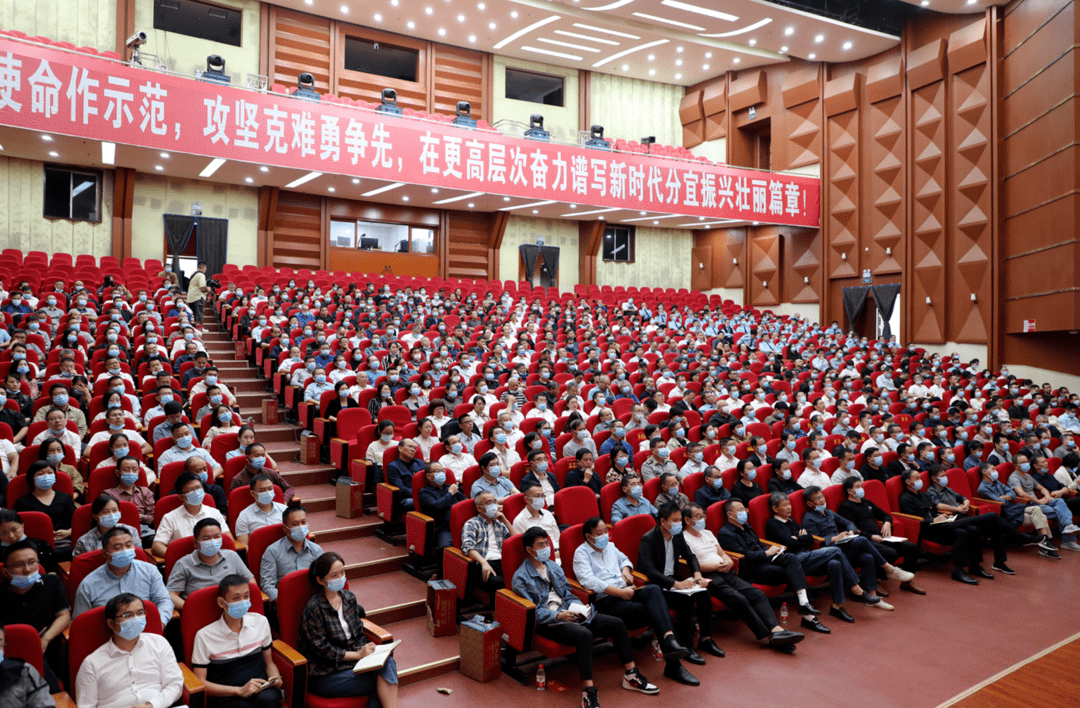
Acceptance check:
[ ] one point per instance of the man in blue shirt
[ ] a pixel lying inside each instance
(122, 572)
(400, 472)
(713, 490)
(632, 502)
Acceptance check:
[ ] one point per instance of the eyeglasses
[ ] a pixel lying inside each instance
(25, 565)
(128, 615)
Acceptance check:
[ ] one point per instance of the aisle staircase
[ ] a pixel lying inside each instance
(393, 599)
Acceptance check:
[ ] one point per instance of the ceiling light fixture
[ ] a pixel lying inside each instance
(788, 31)
(248, 180)
(704, 67)
(812, 56)
(536, 211)
(736, 60)
(378, 17)
(514, 14)
(577, 35)
(303, 180)
(380, 190)
(550, 53)
(108, 153)
(410, 24)
(442, 32)
(652, 72)
(491, 25)
(707, 12)
(461, 18)
(472, 39)
(620, 55)
(481, 6)
(595, 211)
(428, 11)
(526, 30)
(405, 198)
(744, 30)
(47, 138)
(330, 189)
(610, 6)
(783, 50)
(818, 39)
(264, 168)
(345, 9)
(708, 55)
(752, 42)
(678, 62)
(159, 168)
(678, 77)
(461, 198)
(212, 167)
(532, 205)
(434, 190)
(471, 205)
(601, 29)
(567, 44)
(679, 50)
(847, 46)
(356, 180)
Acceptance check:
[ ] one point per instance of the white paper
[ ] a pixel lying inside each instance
(376, 659)
(894, 539)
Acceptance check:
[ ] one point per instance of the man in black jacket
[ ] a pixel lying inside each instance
(436, 499)
(658, 557)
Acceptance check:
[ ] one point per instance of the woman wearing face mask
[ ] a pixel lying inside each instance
(59, 506)
(333, 640)
(12, 530)
(383, 397)
(115, 399)
(426, 439)
(782, 480)
(415, 398)
(342, 401)
(223, 422)
(106, 511)
(52, 451)
(746, 486)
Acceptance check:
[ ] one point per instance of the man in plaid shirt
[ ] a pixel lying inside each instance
(482, 539)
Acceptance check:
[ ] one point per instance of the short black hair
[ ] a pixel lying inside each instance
(112, 607)
(205, 523)
(532, 534)
(590, 524)
(231, 580)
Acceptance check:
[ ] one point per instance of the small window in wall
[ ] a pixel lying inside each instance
(619, 244)
(199, 19)
(533, 87)
(382, 59)
(377, 236)
(71, 194)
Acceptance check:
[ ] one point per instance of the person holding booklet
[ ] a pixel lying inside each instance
(562, 618)
(866, 516)
(232, 656)
(332, 638)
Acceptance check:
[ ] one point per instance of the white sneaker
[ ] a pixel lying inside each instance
(1071, 528)
(1071, 546)
(904, 576)
(883, 606)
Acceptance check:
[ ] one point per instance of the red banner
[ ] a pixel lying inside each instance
(53, 90)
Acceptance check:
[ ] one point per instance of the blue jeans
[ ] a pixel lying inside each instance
(346, 684)
(831, 561)
(1064, 515)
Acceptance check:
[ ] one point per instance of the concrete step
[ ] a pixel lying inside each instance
(316, 497)
(299, 475)
(252, 400)
(392, 597)
(366, 556)
(243, 380)
(421, 656)
(233, 365)
(274, 433)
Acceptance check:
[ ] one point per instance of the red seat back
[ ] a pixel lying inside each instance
(201, 609)
(626, 535)
(89, 631)
(23, 642)
(258, 542)
(573, 505)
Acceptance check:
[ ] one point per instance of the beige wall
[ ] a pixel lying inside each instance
(556, 232)
(84, 23)
(22, 226)
(661, 260)
(186, 54)
(157, 194)
(714, 150)
(562, 122)
(632, 108)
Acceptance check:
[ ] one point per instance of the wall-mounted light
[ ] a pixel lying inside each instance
(701, 266)
(735, 261)
(928, 300)
(843, 256)
(888, 251)
(806, 280)
(973, 298)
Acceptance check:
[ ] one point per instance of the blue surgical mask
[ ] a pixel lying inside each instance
(544, 554)
(637, 492)
(195, 497)
(265, 498)
(1025, 466)
(123, 558)
(298, 533)
(918, 485)
(210, 547)
(699, 525)
(45, 481)
(22, 582)
(109, 520)
(676, 528)
(258, 462)
(742, 516)
(128, 478)
(132, 628)
(238, 609)
(184, 442)
(820, 508)
(601, 542)
(336, 584)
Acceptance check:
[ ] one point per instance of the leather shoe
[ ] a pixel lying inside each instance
(841, 613)
(961, 577)
(708, 645)
(694, 658)
(672, 649)
(909, 587)
(785, 637)
(783, 648)
(813, 623)
(881, 592)
(980, 572)
(808, 611)
(678, 673)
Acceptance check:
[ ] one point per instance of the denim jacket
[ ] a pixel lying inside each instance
(528, 583)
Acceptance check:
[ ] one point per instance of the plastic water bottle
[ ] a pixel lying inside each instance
(656, 653)
(541, 678)
(783, 614)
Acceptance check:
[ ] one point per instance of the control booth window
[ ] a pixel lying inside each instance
(378, 236)
(619, 244)
(199, 19)
(381, 59)
(533, 87)
(71, 194)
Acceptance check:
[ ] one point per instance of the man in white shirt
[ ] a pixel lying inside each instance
(812, 475)
(185, 448)
(534, 514)
(541, 410)
(133, 668)
(180, 522)
(263, 512)
(458, 459)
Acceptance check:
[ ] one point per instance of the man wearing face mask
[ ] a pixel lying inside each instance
(30, 597)
(713, 489)
(866, 516)
(232, 656)
(211, 377)
(133, 668)
(263, 512)
(1033, 485)
(535, 514)
(206, 566)
(180, 522)
(400, 472)
(1014, 510)
(659, 461)
(122, 572)
(436, 499)
(185, 448)
(61, 400)
(295, 551)
(539, 473)
(482, 540)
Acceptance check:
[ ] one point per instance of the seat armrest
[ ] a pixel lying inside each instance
(640, 579)
(192, 684)
(292, 665)
(377, 634)
(517, 617)
(456, 569)
(63, 700)
(586, 596)
(418, 532)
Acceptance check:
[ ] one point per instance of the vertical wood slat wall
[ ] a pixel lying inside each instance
(298, 238)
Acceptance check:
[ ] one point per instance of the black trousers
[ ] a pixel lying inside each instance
(891, 552)
(647, 609)
(494, 583)
(687, 607)
(966, 540)
(781, 570)
(581, 637)
(197, 309)
(266, 698)
(747, 602)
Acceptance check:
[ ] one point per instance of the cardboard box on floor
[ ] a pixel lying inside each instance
(481, 650)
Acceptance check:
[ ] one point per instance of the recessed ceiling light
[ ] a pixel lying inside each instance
(788, 31)
(378, 17)
(652, 72)
(471, 205)
(217, 162)
(783, 50)
(394, 3)
(678, 76)
(642, 213)
(410, 24)
(753, 42)
(514, 14)
(442, 32)
(164, 155)
(847, 45)
(736, 60)
(679, 49)
(971, 2)
(704, 67)
(434, 190)
(309, 2)
(491, 25)
(356, 180)
(818, 39)
(573, 206)
(264, 168)
(54, 154)
(404, 199)
(626, 67)
(345, 9)
(461, 18)
(480, 6)
(330, 189)
(812, 56)
(651, 57)
(428, 11)
(506, 199)
(708, 55)
(159, 168)
(472, 38)
(678, 62)
(47, 138)
(248, 180)
(536, 211)
(655, 223)
(925, 3)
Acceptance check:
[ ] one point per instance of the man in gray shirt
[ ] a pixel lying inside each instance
(206, 565)
(293, 552)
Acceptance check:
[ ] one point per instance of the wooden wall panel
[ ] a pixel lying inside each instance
(701, 262)
(886, 176)
(368, 87)
(714, 107)
(301, 42)
(765, 266)
(842, 194)
(298, 238)
(802, 273)
(928, 218)
(460, 75)
(467, 238)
